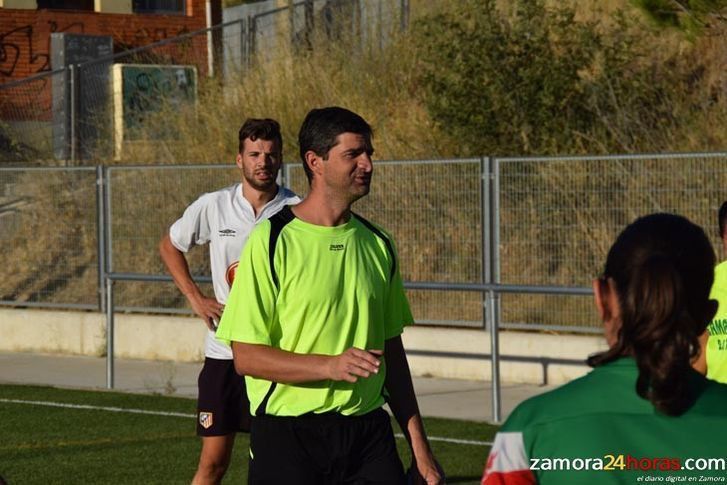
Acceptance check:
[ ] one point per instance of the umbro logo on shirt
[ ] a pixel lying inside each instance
(336, 247)
(227, 232)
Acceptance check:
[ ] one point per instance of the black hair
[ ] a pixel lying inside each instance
(262, 128)
(662, 268)
(722, 219)
(321, 127)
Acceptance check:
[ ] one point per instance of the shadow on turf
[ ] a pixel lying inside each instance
(462, 479)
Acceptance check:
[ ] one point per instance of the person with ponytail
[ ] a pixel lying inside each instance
(643, 413)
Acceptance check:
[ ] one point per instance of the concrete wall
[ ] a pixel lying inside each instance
(526, 357)
(151, 337)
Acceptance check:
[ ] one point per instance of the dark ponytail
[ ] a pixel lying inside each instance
(664, 335)
(662, 268)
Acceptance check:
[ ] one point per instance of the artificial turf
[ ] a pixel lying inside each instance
(45, 444)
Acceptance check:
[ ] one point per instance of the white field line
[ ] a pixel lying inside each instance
(187, 415)
(99, 408)
(452, 440)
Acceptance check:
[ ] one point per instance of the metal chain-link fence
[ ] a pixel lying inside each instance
(441, 229)
(557, 218)
(142, 202)
(553, 221)
(49, 235)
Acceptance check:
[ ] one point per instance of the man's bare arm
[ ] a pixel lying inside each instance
(403, 404)
(265, 362)
(208, 309)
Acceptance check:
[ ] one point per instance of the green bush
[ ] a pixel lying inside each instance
(534, 80)
(691, 16)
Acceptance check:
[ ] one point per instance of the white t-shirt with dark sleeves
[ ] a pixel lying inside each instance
(224, 219)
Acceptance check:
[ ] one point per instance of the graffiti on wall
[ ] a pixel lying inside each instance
(148, 89)
(19, 46)
(147, 36)
(16, 48)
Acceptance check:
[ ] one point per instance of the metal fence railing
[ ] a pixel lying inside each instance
(49, 228)
(556, 218)
(136, 224)
(533, 221)
(88, 111)
(501, 243)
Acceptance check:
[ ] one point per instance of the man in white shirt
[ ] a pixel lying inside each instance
(225, 219)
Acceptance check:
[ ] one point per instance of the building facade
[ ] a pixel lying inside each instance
(26, 27)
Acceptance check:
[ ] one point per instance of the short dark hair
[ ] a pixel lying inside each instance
(321, 127)
(263, 128)
(722, 219)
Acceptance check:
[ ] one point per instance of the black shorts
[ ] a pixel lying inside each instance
(321, 449)
(222, 404)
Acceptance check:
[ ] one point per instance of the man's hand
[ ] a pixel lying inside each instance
(208, 309)
(403, 404)
(276, 365)
(426, 471)
(354, 363)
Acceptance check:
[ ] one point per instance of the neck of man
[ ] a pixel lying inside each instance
(256, 197)
(323, 209)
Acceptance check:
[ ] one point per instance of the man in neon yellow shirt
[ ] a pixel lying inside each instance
(315, 317)
(716, 344)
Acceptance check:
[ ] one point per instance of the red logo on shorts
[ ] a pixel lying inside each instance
(230, 273)
(205, 419)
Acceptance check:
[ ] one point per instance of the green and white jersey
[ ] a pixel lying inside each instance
(597, 430)
(717, 343)
(321, 290)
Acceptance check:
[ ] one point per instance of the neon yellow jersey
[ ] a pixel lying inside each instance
(717, 343)
(333, 288)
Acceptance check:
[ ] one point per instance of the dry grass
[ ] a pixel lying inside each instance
(382, 84)
(556, 229)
